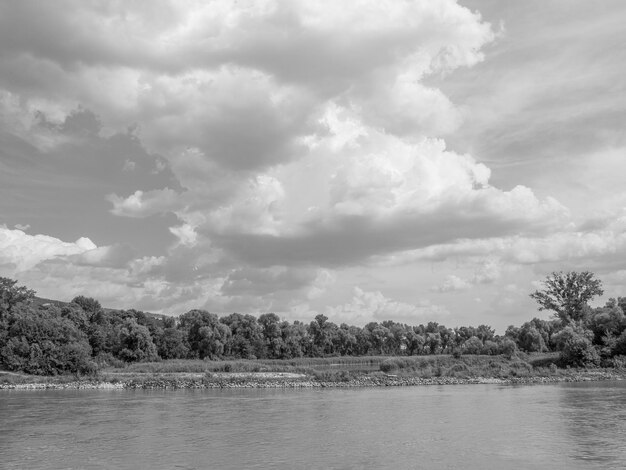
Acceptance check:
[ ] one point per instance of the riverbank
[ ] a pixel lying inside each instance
(292, 381)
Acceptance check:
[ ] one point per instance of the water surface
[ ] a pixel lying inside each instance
(580, 425)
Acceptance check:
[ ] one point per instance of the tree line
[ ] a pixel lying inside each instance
(81, 336)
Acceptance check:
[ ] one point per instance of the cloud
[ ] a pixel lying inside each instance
(367, 306)
(115, 256)
(531, 129)
(240, 82)
(249, 281)
(452, 283)
(24, 252)
(143, 204)
(274, 154)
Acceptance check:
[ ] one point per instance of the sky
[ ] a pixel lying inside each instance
(406, 160)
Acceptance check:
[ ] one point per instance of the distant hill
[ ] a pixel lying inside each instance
(41, 301)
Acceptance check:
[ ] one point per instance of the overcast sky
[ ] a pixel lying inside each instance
(369, 160)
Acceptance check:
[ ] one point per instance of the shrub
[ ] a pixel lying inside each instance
(458, 370)
(44, 343)
(491, 348)
(105, 359)
(508, 348)
(389, 364)
(473, 346)
(331, 375)
(578, 351)
(618, 362)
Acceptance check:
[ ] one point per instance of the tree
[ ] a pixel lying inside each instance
(607, 320)
(89, 305)
(295, 339)
(247, 339)
(346, 340)
(508, 347)
(39, 341)
(171, 344)
(567, 294)
(206, 336)
(530, 339)
(12, 295)
(271, 332)
(472, 346)
(322, 333)
(578, 351)
(135, 342)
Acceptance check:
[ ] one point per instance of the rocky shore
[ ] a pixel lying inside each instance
(279, 381)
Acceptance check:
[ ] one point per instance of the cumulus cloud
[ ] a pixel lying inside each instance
(143, 204)
(115, 256)
(487, 270)
(247, 155)
(250, 281)
(367, 306)
(241, 82)
(24, 252)
(573, 245)
(452, 283)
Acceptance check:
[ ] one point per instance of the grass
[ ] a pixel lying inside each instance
(11, 378)
(299, 365)
(333, 369)
(339, 369)
(471, 366)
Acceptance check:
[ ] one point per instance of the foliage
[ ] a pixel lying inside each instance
(89, 305)
(42, 342)
(508, 348)
(135, 342)
(567, 294)
(81, 336)
(473, 346)
(171, 344)
(578, 351)
(12, 295)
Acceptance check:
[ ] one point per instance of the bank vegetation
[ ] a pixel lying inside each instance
(82, 339)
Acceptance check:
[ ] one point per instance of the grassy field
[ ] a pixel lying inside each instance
(355, 364)
(473, 366)
(344, 368)
(332, 369)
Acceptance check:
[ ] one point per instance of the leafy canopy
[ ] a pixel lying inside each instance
(567, 294)
(11, 295)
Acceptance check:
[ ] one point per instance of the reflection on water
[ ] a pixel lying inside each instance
(473, 426)
(594, 417)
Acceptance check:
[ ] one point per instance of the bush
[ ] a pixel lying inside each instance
(105, 359)
(44, 343)
(619, 345)
(579, 352)
(458, 370)
(473, 346)
(491, 348)
(520, 368)
(618, 362)
(389, 364)
(331, 375)
(508, 348)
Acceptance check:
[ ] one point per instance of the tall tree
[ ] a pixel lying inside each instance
(12, 295)
(567, 294)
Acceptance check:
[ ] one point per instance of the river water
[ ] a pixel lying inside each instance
(580, 425)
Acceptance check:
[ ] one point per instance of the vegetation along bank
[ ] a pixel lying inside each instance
(56, 344)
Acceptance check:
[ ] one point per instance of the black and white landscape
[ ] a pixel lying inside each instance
(411, 161)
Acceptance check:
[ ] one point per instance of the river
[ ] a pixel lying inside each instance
(568, 425)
